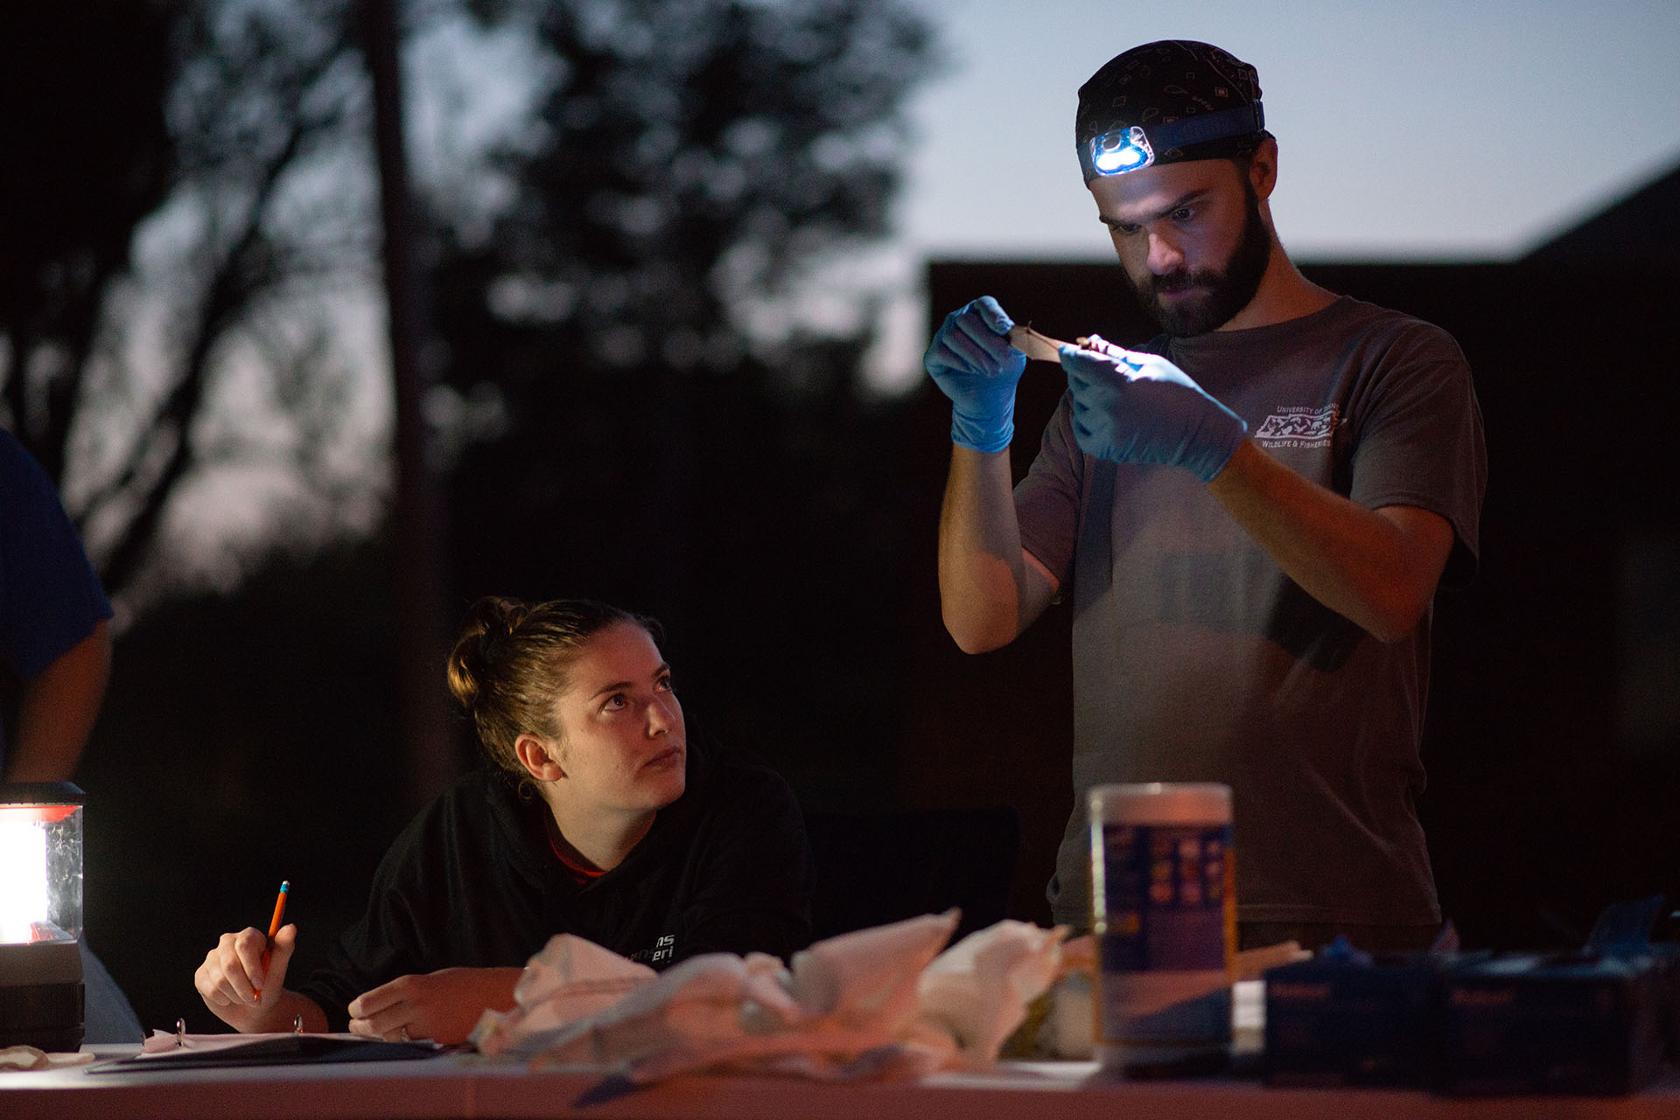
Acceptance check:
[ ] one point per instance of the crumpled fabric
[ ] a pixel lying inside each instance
(877, 1003)
(978, 991)
(569, 979)
(23, 1058)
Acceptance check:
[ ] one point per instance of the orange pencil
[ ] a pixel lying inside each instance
(274, 926)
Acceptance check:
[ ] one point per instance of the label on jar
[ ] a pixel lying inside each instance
(1165, 921)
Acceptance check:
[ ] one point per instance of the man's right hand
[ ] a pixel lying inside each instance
(234, 984)
(972, 362)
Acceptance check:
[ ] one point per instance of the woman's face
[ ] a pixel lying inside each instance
(622, 743)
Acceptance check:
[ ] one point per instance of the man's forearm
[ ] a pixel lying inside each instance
(1377, 568)
(58, 709)
(981, 569)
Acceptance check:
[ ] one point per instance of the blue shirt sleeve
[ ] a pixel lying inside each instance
(50, 598)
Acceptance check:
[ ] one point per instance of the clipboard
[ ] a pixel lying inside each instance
(278, 1050)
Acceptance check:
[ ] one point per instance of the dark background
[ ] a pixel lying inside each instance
(777, 516)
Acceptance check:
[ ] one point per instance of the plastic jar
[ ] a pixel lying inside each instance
(1164, 913)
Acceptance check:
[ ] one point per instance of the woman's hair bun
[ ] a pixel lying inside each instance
(489, 622)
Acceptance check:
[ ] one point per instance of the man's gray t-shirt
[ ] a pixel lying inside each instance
(1196, 659)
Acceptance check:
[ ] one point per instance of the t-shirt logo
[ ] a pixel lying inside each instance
(663, 950)
(1299, 427)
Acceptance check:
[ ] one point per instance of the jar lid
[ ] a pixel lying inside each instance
(1162, 803)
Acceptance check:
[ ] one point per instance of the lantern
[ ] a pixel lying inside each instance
(41, 915)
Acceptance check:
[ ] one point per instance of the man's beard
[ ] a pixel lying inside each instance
(1223, 293)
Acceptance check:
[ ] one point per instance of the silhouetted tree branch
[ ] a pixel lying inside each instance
(197, 119)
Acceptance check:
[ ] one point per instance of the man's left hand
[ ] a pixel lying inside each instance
(1132, 407)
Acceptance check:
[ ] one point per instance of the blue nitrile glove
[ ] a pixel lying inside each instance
(1132, 407)
(971, 361)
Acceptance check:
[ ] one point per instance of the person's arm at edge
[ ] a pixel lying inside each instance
(1377, 568)
(990, 587)
(57, 710)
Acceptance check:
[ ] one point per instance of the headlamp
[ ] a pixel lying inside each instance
(1121, 150)
(1134, 147)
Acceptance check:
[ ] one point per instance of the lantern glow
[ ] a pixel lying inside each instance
(41, 993)
(23, 892)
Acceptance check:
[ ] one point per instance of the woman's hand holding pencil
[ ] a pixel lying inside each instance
(234, 982)
(242, 980)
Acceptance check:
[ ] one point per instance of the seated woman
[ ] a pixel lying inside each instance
(597, 818)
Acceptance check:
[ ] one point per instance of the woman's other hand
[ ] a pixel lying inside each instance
(443, 1006)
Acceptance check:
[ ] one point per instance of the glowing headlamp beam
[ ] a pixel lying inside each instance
(1121, 150)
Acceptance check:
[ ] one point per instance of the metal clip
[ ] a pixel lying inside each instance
(181, 1033)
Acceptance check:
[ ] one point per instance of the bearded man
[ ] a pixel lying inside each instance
(1251, 514)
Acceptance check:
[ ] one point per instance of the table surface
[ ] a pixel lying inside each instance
(465, 1085)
